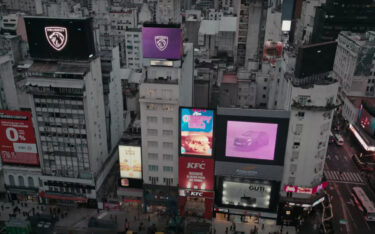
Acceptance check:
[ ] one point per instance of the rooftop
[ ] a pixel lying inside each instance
(229, 79)
(213, 27)
(361, 39)
(60, 67)
(357, 101)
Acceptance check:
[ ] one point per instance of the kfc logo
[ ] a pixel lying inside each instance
(57, 37)
(290, 189)
(196, 194)
(196, 165)
(161, 42)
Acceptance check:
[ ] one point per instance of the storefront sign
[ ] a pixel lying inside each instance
(296, 189)
(246, 194)
(196, 173)
(193, 193)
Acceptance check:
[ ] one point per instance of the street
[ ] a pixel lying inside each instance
(342, 175)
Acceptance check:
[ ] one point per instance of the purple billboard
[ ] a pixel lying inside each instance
(251, 140)
(161, 43)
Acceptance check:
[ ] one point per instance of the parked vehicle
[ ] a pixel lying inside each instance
(339, 140)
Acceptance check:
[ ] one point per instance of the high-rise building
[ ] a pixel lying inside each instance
(322, 20)
(168, 84)
(168, 11)
(133, 37)
(8, 92)
(65, 89)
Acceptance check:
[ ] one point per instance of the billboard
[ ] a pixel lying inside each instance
(17, 138)
(130, 162)
(366, 120)
(196, 173)
(196, 131)
(272, 50)
(296, 189)
(162, 42)
(52, 38)
(246, 194)
(251, 140)
(315, 59)
(251, 136)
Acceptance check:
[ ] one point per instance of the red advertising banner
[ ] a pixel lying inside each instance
(296, 189)
(196, 173)
(17, 138)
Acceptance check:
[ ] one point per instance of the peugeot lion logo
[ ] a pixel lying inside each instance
(57, 37)
(161, 42)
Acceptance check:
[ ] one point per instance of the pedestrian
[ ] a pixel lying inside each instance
(231, 228)
(135, 218)
(263, 226)
(214, 231)
(226, 230)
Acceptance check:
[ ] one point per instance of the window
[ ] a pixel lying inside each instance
(293, 168)
(264, 87)
(167, 169)
(168, 181)
(152, 156)
(21, 181)
(263, 96)
(167, 145)
(167, 120)
(153, 167)
(167, 157)
(167, 132)
(304, 99)
(301, 114)
(152, 132)
(11, 180)
(153, 180)
(294, 155)
(152, 144)
(291, 180)
(265, 79)
(30, 181)
(296, 145)
(298, 129)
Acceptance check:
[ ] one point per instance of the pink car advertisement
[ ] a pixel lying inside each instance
(251, 140)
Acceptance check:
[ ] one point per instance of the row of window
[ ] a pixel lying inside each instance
(154, 132)
(155, 180)
(156, 168)
(154, 120)
(155, 144)
(166, 157)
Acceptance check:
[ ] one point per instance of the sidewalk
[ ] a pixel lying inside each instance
(269, 227)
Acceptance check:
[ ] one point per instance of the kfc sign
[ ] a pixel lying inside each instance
(296, 189)
(196, 165)
(193, 193)
(196, 173)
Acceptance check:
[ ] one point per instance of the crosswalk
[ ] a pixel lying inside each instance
(345, 177)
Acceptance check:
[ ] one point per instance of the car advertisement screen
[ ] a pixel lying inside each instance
(246, 194)
(17, 138)
(251, 140)
(130, 162)
(51, 38)
(196, 173)
(196, 131)
(161, 43)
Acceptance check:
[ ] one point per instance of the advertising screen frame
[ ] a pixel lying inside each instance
(213, 132)
(281, 118)
(183, 172)
(274, 196)
(76, 36)
(18, 140)
(161, 42)
(140, 157)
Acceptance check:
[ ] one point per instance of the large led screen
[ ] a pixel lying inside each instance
(130, 162)
(52, 38)
(251, 140)
(196, 131)
(246, 194)
(196, 173)
(17, 138)
(161, 42)
(366, 120)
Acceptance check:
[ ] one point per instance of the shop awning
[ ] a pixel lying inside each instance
(28, 191)
(62, 197)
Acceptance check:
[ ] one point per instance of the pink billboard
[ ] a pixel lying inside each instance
(251, 140)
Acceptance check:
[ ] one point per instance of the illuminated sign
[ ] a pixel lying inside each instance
(296, 189)
(196, 173)
(17, 138)
(196, 131)
(57, 37)
(360, 139)
(130, 162)
(161, 42)
(246, 194)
